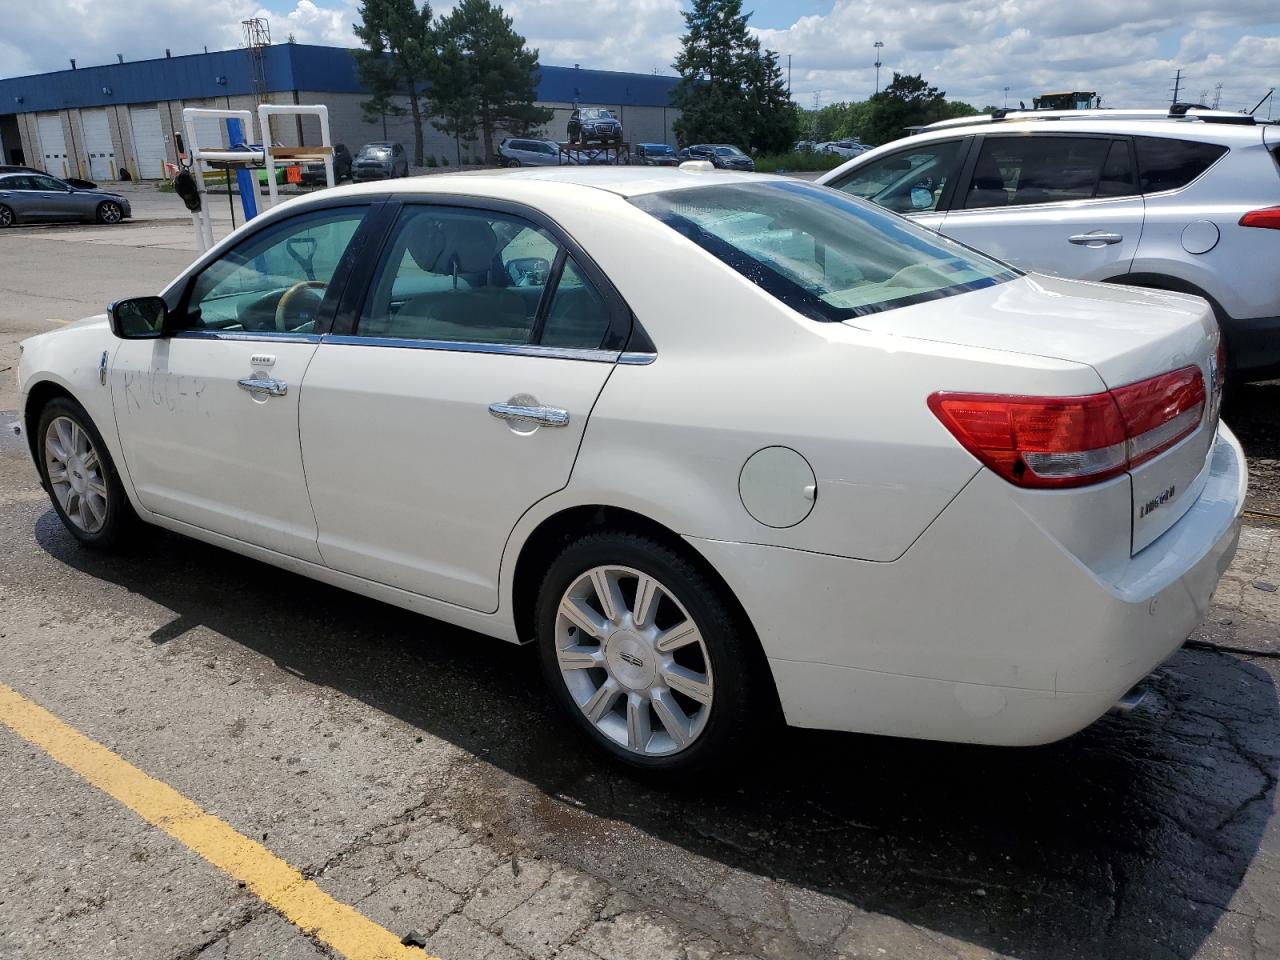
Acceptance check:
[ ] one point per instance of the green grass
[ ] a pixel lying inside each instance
(792, 162)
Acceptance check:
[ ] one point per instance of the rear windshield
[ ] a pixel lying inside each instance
(821, 252)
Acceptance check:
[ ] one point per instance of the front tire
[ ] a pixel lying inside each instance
(81, 477)
(110, 212)
(7, 217)
(647, 657)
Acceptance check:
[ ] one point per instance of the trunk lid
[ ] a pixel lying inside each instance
(1126, 334)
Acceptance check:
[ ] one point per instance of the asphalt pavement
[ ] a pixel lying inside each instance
(400, 778)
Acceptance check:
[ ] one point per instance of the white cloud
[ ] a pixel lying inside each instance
(1127, 50)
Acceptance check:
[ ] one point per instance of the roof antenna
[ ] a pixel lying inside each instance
(1262, 101)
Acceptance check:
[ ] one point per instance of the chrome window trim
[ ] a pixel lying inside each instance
(265, 336)
(636, 358)
(467, 346)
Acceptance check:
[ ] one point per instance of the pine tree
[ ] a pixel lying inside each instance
(500, 72)
(730, 91)
(400, 55)
(453, 96)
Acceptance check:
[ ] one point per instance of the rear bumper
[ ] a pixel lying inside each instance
(1255, 348)
(987, 630)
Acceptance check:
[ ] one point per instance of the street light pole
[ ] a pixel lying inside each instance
(878, 45)
(1006, 98)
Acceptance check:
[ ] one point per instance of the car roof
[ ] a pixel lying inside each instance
(530, 184)
(1130, 123)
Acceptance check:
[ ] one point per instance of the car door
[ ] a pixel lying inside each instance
(916, 181)
(1062, 204)
(57, 201)
(208, 414)
(458, 400)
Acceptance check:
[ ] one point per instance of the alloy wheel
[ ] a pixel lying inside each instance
(634, 660)
(75, 474)
(111, 213)
(6, 216)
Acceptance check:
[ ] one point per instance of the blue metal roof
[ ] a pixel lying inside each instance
(289, 66)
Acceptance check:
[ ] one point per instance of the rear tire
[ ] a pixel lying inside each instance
(674, 686)
(7, 217)
(81, 478)
(110, 212)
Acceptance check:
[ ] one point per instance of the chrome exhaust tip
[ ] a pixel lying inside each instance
(1129, 702)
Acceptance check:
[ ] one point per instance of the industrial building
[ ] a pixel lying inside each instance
(99, 122)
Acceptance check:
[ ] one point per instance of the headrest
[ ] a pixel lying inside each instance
(425, 242)
(472, 245)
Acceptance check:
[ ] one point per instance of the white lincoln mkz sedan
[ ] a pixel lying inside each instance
(721, 444)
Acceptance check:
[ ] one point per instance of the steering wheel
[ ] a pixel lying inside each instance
(287, 298)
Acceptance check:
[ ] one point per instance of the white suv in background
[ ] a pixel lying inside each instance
(1187, 202)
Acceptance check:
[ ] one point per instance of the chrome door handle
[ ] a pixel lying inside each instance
(530, 413)
(1095, 239)
(264, 386)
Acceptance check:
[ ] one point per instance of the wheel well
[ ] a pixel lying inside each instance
(37, 400)
(1162, 281)
(559, 530)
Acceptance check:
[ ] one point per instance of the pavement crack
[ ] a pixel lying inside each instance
(1227, 648)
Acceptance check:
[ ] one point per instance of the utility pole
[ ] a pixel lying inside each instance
(1177, 85)
(879, 45)
(1006, 98)
(1217, 95)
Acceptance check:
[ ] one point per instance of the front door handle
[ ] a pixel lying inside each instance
(1098, 239)
(530, 412)
(264, 386)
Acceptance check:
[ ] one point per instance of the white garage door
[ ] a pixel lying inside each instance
(148, 142)
(53, 146)
(97, 144)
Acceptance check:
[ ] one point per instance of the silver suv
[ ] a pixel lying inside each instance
(524, 152)
(1185, 202)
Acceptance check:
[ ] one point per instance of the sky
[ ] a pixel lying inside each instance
(1127, 50)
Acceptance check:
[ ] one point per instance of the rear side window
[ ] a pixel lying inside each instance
(1015, 171)
(1169, 164)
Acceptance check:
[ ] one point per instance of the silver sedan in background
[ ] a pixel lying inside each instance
(38, 197)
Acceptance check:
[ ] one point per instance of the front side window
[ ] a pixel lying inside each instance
(822, 253)
(909, 181)
(1165, 164)
(48, 183)
(275, 281)
(467, 276)
(1016, 171)
(17, 183)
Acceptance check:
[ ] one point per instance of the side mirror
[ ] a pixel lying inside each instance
(138, 318)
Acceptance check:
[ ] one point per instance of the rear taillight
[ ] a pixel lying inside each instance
(1267, 218)
(1073, 441)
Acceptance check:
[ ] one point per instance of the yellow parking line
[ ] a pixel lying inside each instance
(274, 881)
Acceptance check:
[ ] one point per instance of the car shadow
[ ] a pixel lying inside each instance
(1127, 840)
